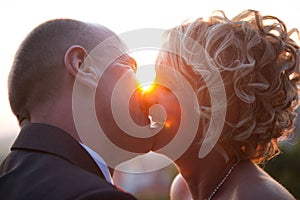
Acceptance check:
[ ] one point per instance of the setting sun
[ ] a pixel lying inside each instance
(145, 74)
(147, 87)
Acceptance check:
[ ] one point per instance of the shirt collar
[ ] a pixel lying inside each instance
(100, 162)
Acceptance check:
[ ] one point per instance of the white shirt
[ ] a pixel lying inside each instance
(100, 162)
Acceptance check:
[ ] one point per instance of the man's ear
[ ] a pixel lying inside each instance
(74, 59)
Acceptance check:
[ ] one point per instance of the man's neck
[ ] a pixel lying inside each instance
(58, 115)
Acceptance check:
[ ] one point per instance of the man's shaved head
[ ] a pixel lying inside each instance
(37, 71)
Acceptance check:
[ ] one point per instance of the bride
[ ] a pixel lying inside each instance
(244, 70)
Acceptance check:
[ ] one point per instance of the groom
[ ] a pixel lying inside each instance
(49, 159)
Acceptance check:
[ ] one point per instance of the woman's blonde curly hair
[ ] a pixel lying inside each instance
(259, 63)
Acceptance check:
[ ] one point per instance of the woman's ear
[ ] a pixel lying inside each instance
(74, 63)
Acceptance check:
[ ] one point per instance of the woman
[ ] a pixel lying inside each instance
(252, 62)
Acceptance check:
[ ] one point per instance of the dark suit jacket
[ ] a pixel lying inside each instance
(47, 163)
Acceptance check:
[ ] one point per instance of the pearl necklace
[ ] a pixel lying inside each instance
(223, 180)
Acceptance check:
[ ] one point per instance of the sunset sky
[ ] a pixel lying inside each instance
(19, 17)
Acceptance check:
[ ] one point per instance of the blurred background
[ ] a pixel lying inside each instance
(19, 17)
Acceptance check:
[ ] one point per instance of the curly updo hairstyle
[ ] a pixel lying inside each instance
(259, 64)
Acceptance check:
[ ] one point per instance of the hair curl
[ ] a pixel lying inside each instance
(259, 64)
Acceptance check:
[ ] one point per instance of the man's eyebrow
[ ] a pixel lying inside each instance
(130, 61)
(134, 64)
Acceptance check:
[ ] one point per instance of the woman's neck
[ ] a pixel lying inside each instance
(204, 175)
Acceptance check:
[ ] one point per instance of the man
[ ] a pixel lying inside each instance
(49, 160)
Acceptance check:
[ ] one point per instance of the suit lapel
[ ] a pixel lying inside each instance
(49, 139)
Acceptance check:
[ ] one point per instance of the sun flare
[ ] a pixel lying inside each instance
(147, 87)
(146, 67)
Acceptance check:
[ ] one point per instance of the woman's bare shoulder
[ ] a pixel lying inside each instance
(179, 189)
(255, 183)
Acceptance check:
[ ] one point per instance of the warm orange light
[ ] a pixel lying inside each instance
(147, 87)
(167, 124)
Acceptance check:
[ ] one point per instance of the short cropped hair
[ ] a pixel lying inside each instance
(36, 72)
(259, 63)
